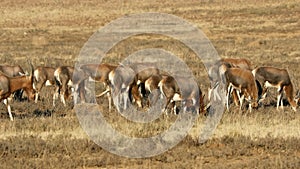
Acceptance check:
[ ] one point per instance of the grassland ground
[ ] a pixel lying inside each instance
(52, 33)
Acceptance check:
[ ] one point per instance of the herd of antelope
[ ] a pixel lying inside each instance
(143, 85)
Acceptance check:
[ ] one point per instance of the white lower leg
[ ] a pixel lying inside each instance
(278, 101)
(55, 96)
(109, 101)
(62, 99)
(9, 112)
(36, 97)
(8, 109)
(209, 93)
(174, 109)
(241, 100)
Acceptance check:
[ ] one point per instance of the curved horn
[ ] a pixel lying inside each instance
(31, 71)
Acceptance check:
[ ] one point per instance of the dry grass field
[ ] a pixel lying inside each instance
(52, 33)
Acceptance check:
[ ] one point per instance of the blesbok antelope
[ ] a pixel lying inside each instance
(13, 71)
(99, 73)
(63, 79)
(181, 89)
(244, 82)
(43, 76)
(151, 87)
(121, 79)
(143, 71)
(216, 73)
(67, 78)
(8, 85)
(78, 81)
(278, 78)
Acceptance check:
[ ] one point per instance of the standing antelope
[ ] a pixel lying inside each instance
(43, 76)
(99, 73)
(181, 89)
(8, 85)
(216, 73)
(244, 82)
(13, 71)
(278, 78)
(121, 79)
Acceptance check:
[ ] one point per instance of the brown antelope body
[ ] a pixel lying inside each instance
(152, 88)
(99, 73)
(13, 71)
(121, 79)
(143, 71)
(216, 73)
(63, 79)
(181, 89)
(8, 85)
(278, 78)
(43, 76)
(244, 83)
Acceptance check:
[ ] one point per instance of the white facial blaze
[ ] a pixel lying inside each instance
(36, 75)
(147, 86)
(70, 83)
(177, 97)
(33, 85)
(254, 72)
(194, 101)
(91, 79)
(56, 75)
(48, 83)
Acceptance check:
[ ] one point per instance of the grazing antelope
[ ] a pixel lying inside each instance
(151, 87)
(63, 78)
(43, 76)
(142, 72)
(78, 81)
(13, 71)
(121, 80)
(216, 73)
(67, 78)
(181, 89)
(99, 73)
(8, 85)
(278, 78)
(244, 82)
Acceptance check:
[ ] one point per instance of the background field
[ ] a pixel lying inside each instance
(52, 33)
